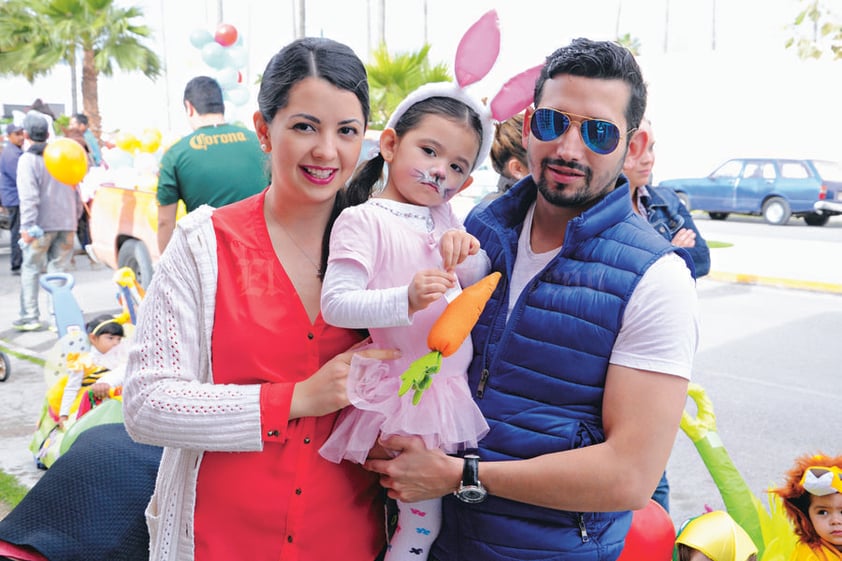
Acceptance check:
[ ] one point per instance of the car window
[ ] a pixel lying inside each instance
(728, 169)
(829, 171)
(794, 170)
(759, 170)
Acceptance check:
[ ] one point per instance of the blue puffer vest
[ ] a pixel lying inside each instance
(539, 377)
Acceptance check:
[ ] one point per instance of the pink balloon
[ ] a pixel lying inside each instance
(515, 95)
(478, 49)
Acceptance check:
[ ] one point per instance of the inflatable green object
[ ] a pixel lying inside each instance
(109, 411)
(740, 502)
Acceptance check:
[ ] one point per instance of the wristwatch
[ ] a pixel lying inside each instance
(471, 490)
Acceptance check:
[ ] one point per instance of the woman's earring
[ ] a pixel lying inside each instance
(263, 147)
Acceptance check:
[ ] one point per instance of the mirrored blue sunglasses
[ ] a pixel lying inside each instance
(599, 135)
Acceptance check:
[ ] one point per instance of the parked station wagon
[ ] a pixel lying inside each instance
(775, 189)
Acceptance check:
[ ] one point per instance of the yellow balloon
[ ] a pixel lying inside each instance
(127, 141)
(150, 141)
(66, 160)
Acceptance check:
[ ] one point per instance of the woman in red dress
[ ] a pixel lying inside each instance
(234, 372)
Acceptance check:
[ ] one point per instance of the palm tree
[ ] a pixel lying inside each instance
(37, 35)
(392, 77)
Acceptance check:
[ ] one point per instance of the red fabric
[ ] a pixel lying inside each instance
(285, 502)
(20, 553)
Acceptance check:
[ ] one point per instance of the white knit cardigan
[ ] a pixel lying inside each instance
(169, 396)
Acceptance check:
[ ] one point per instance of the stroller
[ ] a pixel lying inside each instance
(71, 355)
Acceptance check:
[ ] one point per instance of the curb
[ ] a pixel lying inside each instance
(777, 282)
(23, 352)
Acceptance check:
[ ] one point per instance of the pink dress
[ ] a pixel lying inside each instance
(382, 239)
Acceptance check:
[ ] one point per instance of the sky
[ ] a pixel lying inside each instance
(715, 92)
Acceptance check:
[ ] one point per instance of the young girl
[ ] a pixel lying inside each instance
(391, 270)
(812, 496)
(101, 371)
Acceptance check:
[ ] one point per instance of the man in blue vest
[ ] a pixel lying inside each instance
(583, 354)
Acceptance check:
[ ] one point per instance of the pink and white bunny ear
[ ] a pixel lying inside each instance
(478, 49)
(515, 95)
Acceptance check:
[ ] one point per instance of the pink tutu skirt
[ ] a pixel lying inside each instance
(446, 417)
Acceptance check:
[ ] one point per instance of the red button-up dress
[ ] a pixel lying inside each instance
(285, 502)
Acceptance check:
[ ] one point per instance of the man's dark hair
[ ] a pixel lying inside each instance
(81, 118)
(598, 59)
(204, 93)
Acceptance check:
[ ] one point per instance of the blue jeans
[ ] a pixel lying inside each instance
(52, 252)
(14, 231)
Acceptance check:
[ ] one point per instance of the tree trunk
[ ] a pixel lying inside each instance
(74, 97)
(90, 95)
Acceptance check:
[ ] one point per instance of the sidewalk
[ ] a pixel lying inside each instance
(780, 263)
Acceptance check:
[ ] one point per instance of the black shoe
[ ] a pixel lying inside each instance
(16, 272)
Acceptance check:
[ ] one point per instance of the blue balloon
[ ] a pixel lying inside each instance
(214, 55)
(237, 56)
(200, 37)
(238, 96)
(227, 78)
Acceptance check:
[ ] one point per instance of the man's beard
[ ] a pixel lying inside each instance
(583, 197)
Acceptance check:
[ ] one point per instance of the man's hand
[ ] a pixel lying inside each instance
(416, 473)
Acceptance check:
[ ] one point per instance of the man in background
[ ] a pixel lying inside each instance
(49, 213)
(9, 189)
(79, 123)
(217, 164)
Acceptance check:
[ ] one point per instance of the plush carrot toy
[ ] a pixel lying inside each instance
(447, 334)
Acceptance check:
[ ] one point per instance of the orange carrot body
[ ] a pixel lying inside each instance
(454, 324)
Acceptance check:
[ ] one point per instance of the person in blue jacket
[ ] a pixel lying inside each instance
(662, 207)
(670, 218)
(583, 353)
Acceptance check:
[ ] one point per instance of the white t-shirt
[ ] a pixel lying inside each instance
(660, 330)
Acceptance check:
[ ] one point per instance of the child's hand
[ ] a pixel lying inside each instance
(455, 246)
(100, 390)
(427, 287)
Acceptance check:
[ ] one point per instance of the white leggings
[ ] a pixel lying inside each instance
(418, 526)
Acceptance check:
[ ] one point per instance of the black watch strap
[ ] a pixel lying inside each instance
(470, 471)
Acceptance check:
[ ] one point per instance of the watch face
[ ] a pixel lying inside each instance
(472, 494)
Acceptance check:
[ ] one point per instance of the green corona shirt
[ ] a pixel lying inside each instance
(216, 165)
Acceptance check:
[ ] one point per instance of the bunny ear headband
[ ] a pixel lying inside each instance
(477, 51)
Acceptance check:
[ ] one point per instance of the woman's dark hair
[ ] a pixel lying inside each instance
(367, 176)
(314, 57)
(104, 324)
(598, 59)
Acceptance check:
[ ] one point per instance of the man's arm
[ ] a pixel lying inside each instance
(166, 224)
(641, 413)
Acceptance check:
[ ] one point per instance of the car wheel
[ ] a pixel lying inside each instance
(776, 211)
(718, 215)
(685, 200)
(816, 219)
(134, 255)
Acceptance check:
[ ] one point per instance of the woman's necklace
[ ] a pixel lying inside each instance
(300, 249)
(428, 219)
